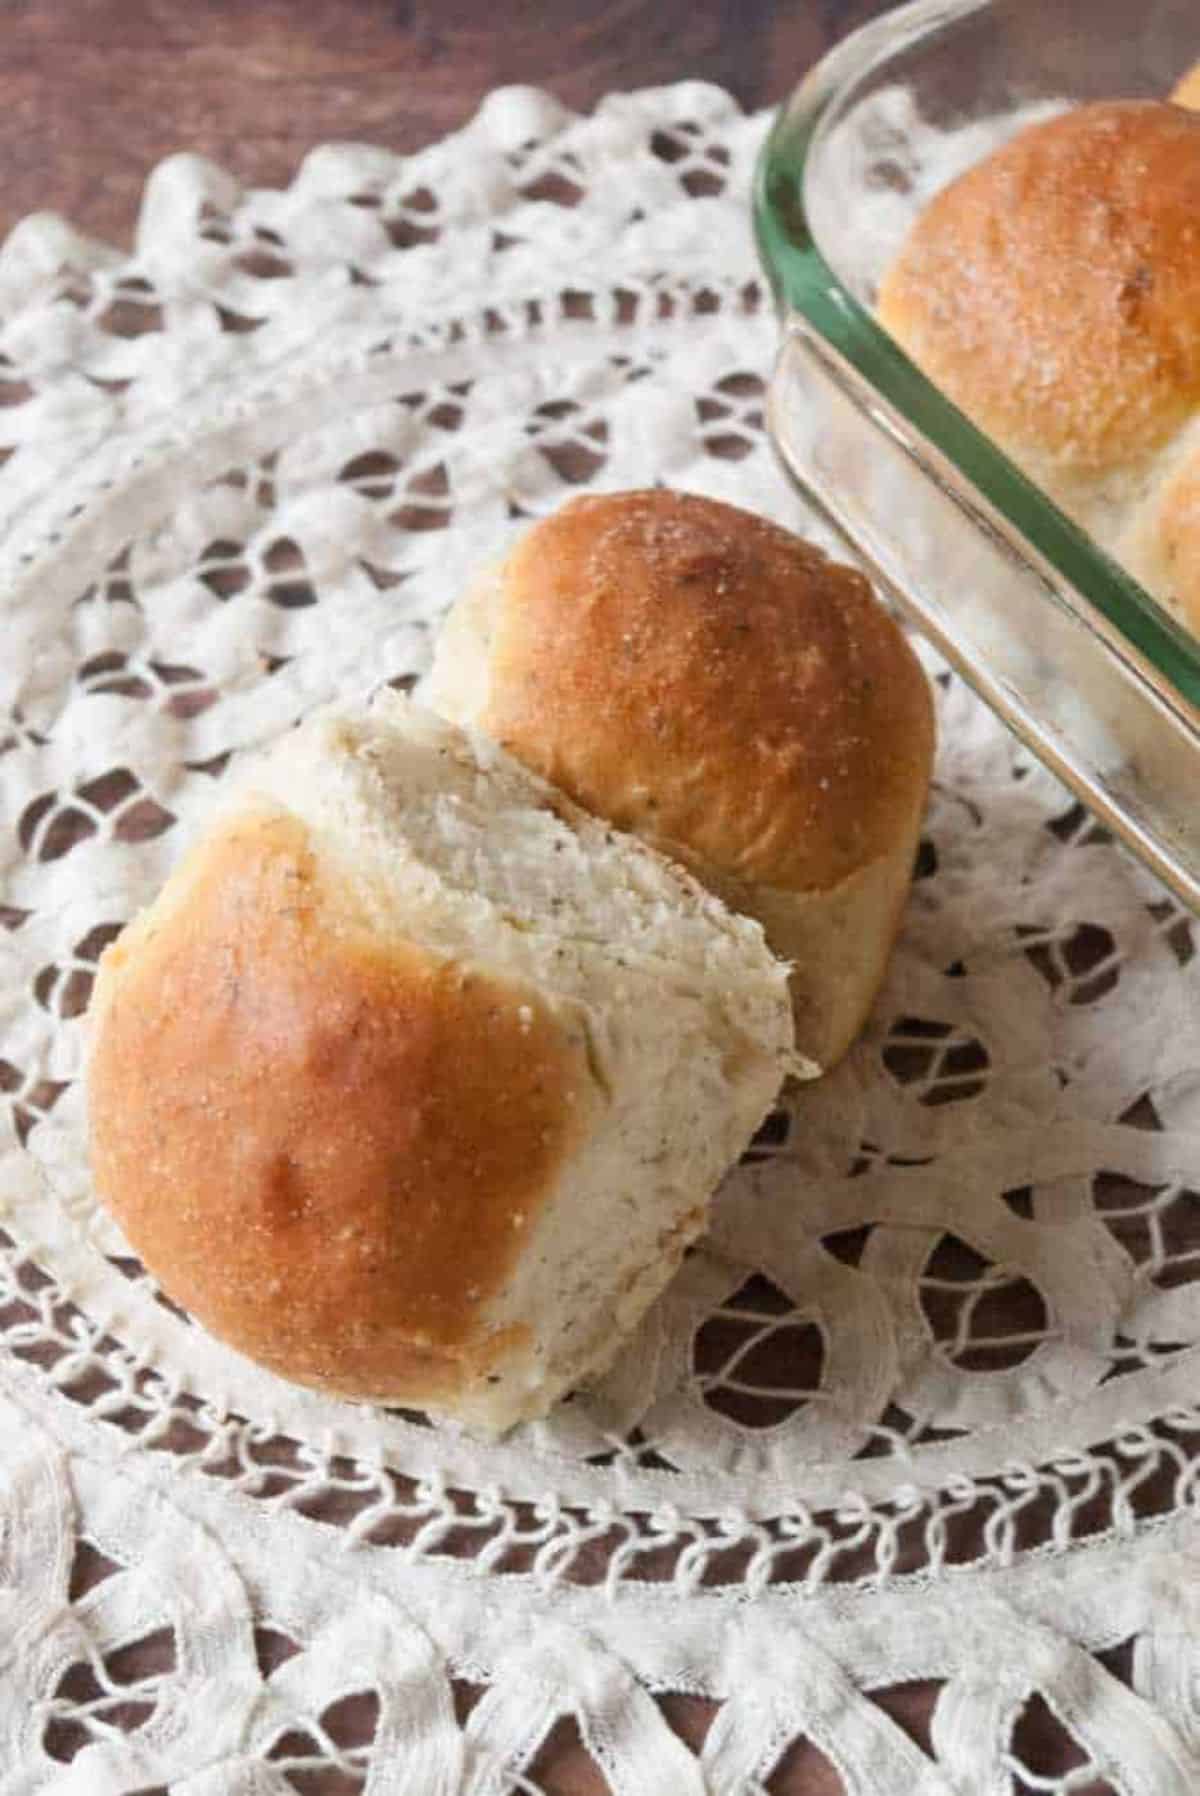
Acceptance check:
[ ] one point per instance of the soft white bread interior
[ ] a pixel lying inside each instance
(704, 678)
(1053, 292)
(414, 1082)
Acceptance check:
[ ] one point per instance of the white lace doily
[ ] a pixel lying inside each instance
(896, 1489)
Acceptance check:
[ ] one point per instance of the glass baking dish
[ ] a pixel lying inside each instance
(1076, 657)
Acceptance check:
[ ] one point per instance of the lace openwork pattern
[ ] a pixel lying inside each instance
(895, 1488)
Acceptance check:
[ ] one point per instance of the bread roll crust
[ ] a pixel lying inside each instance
(704, 678)
(389, 1122)
(1053, 291)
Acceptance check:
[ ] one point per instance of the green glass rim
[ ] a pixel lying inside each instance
(803, 282)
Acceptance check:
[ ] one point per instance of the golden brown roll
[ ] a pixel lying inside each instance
(1053, 292)
(413, 1084)
(710, 682)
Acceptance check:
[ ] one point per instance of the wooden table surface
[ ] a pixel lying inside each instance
(94, 92)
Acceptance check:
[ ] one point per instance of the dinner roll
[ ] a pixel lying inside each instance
(414, 1082)
(1053, 292)
(704, 678)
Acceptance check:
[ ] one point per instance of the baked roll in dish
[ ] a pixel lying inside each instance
(705, 679)
(1053, 293)
(414, 1082)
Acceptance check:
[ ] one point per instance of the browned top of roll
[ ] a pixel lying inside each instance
(329, 1147)
(1053, 291)
(701, 676)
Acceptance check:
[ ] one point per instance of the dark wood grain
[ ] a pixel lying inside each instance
(94, 92)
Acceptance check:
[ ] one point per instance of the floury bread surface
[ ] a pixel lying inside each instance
(415, 1082)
